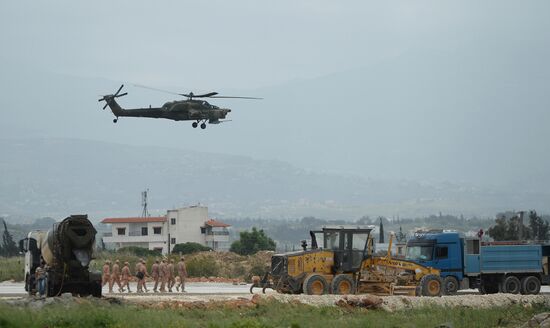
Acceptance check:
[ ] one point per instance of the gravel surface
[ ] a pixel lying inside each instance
(223, 292)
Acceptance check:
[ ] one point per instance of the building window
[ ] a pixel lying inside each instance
(157, 230)
(173, 241)
(121, 231)
(203, 230)
(144, 231)
(173, 221)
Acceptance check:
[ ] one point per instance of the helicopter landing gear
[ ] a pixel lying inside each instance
(203, 126)
(115, 120)
(195, 124)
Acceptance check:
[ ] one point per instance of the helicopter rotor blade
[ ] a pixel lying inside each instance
(106, 104)
(123, 94)
(191, 95)
(234, 97)
(155, 89)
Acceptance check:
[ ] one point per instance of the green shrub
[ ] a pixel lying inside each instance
(138, 251)
(203, 266)
(252, 242)
(190, 248)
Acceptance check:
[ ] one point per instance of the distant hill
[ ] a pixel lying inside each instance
(57, 177)
(425, 114)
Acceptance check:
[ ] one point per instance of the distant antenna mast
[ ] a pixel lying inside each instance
(145, 212)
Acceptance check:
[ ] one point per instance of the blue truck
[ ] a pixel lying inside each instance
(466, 263)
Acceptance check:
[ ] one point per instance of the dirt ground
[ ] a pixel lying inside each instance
(387, 303)
(202, 294)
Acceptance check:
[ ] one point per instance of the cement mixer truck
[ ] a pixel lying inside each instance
(67, 250)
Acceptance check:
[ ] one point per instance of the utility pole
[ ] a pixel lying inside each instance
(145, 212)
(381, 237)
(520, 217)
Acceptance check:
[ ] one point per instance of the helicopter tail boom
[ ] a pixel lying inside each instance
(115, 107)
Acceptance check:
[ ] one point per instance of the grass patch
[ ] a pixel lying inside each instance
(12, 268)
(269, 314)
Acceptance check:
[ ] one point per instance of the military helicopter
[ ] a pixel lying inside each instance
(191, 109)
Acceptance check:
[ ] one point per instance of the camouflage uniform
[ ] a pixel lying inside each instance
(126, 277)
(145, 274)
(182, 272)
(155, 274)
(115, 276)
(106, 276)
(171, 276)
(138, 269)
(163, 275)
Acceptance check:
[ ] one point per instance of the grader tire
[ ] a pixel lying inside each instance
(315, 284)
(343, 284)
(430, 285)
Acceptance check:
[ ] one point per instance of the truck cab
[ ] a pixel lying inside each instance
(441, 250)
(29, 246)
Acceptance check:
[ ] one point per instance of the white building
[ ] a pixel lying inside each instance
(188, 224)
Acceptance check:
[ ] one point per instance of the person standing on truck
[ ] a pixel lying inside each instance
(106, 277)
(40, 276)
(115, 276)
(125, 273)
(182, 272)
(171, 276)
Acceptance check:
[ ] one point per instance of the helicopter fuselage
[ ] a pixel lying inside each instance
(185, 110)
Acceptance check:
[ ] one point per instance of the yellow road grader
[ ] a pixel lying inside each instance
(343, 262)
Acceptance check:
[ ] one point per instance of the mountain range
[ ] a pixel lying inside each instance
(56, 177)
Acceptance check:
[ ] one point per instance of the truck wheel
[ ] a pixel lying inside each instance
(315, 284)
(431, 285)
(343, 284)
(95, 288)
(511, 285)
(30, 285)
(482, 290)
(49, 288)
(451, 285)
(487, 289)
(530, 285)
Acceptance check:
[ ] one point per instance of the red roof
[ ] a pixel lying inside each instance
(135, 219)
(216, 224)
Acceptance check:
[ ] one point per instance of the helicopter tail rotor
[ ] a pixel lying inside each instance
(108, 98)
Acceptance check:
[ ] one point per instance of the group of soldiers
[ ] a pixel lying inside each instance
(161, 271)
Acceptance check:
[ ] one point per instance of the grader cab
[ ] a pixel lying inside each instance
(340, 260)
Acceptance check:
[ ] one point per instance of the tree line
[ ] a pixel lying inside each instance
(511, 226)
(8, 247)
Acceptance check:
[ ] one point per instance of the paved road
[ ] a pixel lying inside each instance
(195, 288)
(9, 289)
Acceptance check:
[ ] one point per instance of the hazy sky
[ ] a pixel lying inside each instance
(248, 44)
(437, 89)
